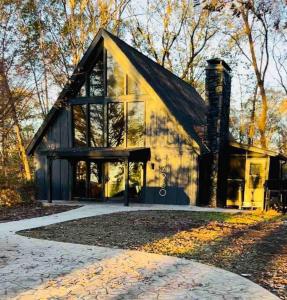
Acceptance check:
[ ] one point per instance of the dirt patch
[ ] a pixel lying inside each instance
(250, 245)
(8, 214)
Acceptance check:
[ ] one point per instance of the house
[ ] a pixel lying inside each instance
(126, 129)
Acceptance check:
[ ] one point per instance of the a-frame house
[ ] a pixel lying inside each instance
(124, 128)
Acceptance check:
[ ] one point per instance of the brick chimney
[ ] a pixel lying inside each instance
(218, 88)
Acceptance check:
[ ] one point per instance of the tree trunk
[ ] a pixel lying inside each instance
(251, 130)
(4, 85)
(260, 82)
(25, 162)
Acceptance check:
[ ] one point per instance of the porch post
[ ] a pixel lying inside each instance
(71, 179)
(144, 182)
(49, 175)
(126, 193)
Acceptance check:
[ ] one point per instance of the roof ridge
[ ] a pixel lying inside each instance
(151, 60)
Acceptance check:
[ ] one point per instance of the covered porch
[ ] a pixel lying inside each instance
(114, 175)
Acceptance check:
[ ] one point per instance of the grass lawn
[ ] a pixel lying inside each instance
(252, 244)
(15, 213)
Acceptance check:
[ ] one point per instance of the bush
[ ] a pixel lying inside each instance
(27, 192)
(21, 194)
(9, 198)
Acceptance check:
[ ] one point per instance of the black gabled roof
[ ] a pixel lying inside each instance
(181, 98)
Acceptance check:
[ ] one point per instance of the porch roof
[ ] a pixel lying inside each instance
(136, 154)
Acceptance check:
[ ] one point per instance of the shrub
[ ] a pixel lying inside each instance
(21, 194)
(9, 197)
(27, 193)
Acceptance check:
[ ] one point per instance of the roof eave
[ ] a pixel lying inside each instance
(55, 108)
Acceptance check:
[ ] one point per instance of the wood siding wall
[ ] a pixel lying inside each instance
(172, 172)
(58, 135)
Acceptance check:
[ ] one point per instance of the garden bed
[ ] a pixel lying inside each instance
(253, 245)
(8, 214)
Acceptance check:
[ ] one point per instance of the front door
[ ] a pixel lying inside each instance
(88, 180)
(256, 173)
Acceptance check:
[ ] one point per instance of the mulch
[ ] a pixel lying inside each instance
(34, 210)
(257, 251)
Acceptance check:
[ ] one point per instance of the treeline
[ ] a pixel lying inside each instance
(41, 42)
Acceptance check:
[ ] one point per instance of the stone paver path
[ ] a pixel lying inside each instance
(41, 269)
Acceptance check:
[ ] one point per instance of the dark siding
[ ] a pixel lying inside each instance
(40, 176)
(58, 135)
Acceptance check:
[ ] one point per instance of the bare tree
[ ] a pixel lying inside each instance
(174, 34)
(251, 36)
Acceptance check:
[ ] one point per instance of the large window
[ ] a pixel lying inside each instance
(97, 124)
(80, 125)
(100, 125)
(115, 78)
(116, 124)
(107, 78)
(135, 119)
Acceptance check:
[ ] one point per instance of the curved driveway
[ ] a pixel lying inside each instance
(41, 269)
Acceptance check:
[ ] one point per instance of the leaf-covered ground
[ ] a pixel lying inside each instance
(253, 245)
(20, 212)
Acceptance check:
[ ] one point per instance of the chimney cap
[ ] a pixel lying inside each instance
(218, 61)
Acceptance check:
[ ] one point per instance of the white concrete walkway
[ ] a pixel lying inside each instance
(40, 269)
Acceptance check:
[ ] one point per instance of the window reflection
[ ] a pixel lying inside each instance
(97, 78)
(116, 124)
(114, 121)
(97, 124)
(115, 78)
(132, 86)
(135, 124)
(80, 125)
(81, 179)
(135, 178)
(82, 92)
(95, 182)
(116, 182)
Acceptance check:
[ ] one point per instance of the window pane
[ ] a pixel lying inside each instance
(136, 124)
(81, 179)
(97, 125)
(97, 78)
(82, 91)
(135, 178)
(116, 182)
(80, 125)
(115, 78)
(116, 124)
(255, 180)
(255, 169)
(95, 188)
(132, 86)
